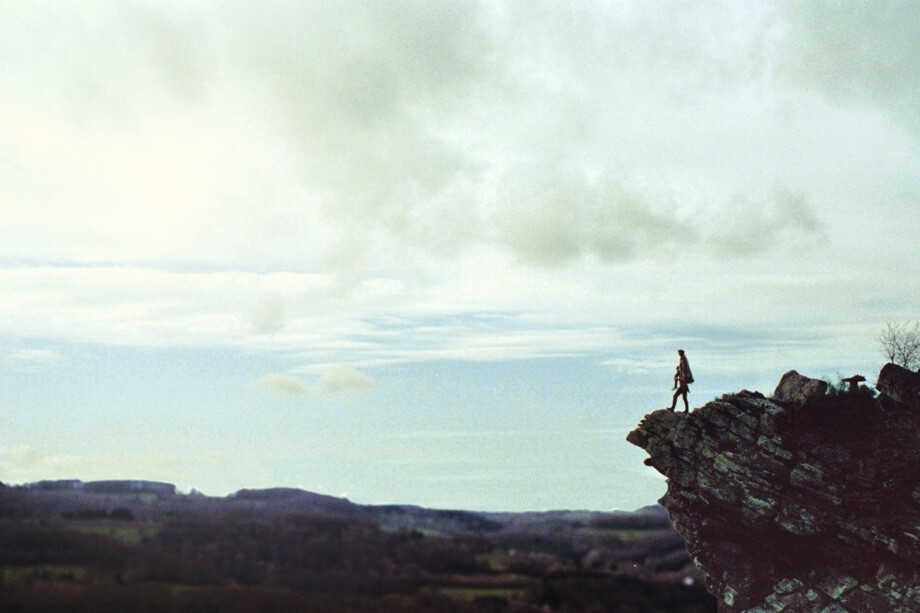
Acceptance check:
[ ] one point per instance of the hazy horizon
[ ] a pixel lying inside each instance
(436, 253)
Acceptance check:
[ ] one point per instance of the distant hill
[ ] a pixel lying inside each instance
(51, 498)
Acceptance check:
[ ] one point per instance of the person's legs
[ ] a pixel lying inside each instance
(674, 399)
(684, 389)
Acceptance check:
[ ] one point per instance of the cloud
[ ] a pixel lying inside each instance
(343, 382)
(156, 307)
(268, 318)
(22, 456)
(281, 386)
(33, 359)
(414, 160)
(322, 129)
(362, 95)
(861, 53)
(744, 228)
(290, 135)
(340, 383)
(556, 217)
(394, 119)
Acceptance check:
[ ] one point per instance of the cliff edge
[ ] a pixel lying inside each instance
(805, 501)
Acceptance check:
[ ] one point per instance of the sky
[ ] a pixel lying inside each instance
(437, 253)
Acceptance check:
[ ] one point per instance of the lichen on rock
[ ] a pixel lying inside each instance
(808, 500)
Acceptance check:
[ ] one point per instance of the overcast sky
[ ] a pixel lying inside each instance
(439, 253)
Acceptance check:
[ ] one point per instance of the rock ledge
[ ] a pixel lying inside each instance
(805, 501)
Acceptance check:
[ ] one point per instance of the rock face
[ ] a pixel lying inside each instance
(805, 501)
(899, 384)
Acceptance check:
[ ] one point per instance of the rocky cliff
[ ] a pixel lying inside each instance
(808, 500)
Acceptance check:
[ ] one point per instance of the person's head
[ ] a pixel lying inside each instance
(680, 352)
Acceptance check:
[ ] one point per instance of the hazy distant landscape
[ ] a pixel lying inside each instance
(130, 545)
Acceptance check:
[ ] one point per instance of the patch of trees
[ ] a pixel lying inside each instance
(536, 542)
(661, 551)
(15, 510)
(129, 487)
(24, 543)
(444, 521)
(318, 554)
(632, 521)
(587, 591)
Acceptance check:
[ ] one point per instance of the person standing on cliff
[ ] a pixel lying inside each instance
(683, 377)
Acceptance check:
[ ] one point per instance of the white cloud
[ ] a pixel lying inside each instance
(268, 318)
(281, 386)
(744, 228)
(344, 382)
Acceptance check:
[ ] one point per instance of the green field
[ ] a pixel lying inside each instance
(470, 593)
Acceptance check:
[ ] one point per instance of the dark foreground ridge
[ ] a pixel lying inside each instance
(805, 501)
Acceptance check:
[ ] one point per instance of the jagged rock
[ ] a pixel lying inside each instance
(900, 384)
(806, 501)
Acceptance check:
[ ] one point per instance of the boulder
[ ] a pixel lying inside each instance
(900, 384)
(798, 389)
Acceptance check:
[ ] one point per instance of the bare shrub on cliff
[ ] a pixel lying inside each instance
(900, 343)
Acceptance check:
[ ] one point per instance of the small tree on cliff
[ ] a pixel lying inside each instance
(901, 344)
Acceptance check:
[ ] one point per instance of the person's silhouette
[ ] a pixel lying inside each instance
(683, 377)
